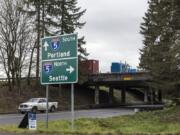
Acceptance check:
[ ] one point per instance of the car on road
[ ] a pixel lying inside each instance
(37, 104)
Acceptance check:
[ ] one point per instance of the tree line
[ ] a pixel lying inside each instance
(160, 55)
(22, 25)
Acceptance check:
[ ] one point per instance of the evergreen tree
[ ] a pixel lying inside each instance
(175, 47)
(158, 53)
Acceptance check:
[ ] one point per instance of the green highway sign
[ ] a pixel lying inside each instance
(59, 47)
(63, 71)
(59, 60)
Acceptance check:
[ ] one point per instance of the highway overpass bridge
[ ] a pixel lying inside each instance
(133, 82)
(125, 82)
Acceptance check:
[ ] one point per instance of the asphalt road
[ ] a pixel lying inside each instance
(66, 115)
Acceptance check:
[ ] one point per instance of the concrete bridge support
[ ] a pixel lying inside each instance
(152, 96)
(159, 96)
(96, 95)
(123, 95)
(146, 96)
(111, 95)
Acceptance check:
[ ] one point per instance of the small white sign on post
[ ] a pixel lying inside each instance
(32, 122)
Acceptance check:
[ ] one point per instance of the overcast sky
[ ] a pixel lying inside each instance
(112, 30)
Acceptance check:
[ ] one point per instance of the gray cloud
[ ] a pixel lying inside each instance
(112, 30)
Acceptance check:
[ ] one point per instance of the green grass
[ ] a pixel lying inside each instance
(164, 122)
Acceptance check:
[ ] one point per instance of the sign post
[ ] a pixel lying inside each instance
(72, 106)
(59, 64)
(47, 106)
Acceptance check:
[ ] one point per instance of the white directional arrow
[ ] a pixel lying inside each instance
(46, 45)
(70, 69)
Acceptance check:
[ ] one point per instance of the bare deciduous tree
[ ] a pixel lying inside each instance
(16, 37)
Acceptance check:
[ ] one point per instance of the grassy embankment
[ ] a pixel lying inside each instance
(10, 100)
(84, 97)
(165, 122)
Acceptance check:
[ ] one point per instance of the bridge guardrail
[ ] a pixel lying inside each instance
(139, 76)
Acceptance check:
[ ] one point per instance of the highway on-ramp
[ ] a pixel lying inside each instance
(7, 119)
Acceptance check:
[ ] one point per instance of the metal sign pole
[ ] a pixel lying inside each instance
(47, 95)
(72, 106)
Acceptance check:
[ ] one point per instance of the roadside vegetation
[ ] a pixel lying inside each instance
(163, 122)
(84, 96)
(8, 104)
